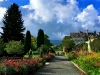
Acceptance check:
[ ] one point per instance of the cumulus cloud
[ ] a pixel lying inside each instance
(55, 17)
(46, 11)
(2, 12)
(88, 17)
(59, 19)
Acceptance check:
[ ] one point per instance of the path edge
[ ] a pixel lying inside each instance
(78, 67)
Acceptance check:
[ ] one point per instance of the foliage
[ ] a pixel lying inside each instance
(85, 46)
(90, 63)
(43, 49)
(35, 56)
(14, 47)
(13, 24)
(26, 56)
(33, 43)
(95, 45)
(20, 66)
(92, 37)
(46, 40)
(35, 52)
(2, 45)
(40, 38)
(48, 56)
(56, 52)
(23, 66)
(68, 43)
(69, 56)
(27, 45)
(72, 55)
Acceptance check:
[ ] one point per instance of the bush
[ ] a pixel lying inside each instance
(43, 50)
(26, 56)
(85, 46)
(14, 47)
(95, 45)
(71, 55)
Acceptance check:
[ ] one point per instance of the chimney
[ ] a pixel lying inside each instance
(87, 32)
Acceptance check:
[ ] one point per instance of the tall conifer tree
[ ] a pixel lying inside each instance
(27, 41)
(40, 38)
(13, 24)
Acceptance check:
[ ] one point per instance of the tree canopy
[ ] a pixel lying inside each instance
(68, 43)
(46, 40)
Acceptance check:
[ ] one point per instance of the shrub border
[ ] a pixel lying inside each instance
(78, 68)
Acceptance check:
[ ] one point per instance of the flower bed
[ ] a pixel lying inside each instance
(20, 66)
(23, 66)
(89, 63)
(48, 57)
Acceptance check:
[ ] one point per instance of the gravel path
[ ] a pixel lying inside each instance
(59, 66)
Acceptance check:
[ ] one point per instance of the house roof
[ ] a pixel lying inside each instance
(81, 34)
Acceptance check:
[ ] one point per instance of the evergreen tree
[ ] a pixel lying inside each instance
(13, 24)
(27, 46)
(40, 38)
(46, 40)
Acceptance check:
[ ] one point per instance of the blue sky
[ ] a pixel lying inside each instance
(57, 18)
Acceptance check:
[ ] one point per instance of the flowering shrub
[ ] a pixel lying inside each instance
(20, 66)
(48, 57)
(23, 66)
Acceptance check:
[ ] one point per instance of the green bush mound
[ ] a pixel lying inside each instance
(14, 47)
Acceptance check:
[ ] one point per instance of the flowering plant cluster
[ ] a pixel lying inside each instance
(90, 63)
(23, 66)
(20, 66)
(48, 56)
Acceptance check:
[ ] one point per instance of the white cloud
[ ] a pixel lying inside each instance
(87, 17)
(49, 13)
(45, 11)
(1, 0)
(73, 2)
(42, 11)
(58, 19)
(2, 12)
(88, 14)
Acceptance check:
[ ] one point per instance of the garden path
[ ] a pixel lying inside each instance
(59, 65)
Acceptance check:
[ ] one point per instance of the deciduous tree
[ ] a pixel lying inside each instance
(67, 43)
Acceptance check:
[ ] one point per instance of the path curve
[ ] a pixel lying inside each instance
(59, 65)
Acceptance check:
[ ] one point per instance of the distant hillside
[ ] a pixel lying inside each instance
(56, 42)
